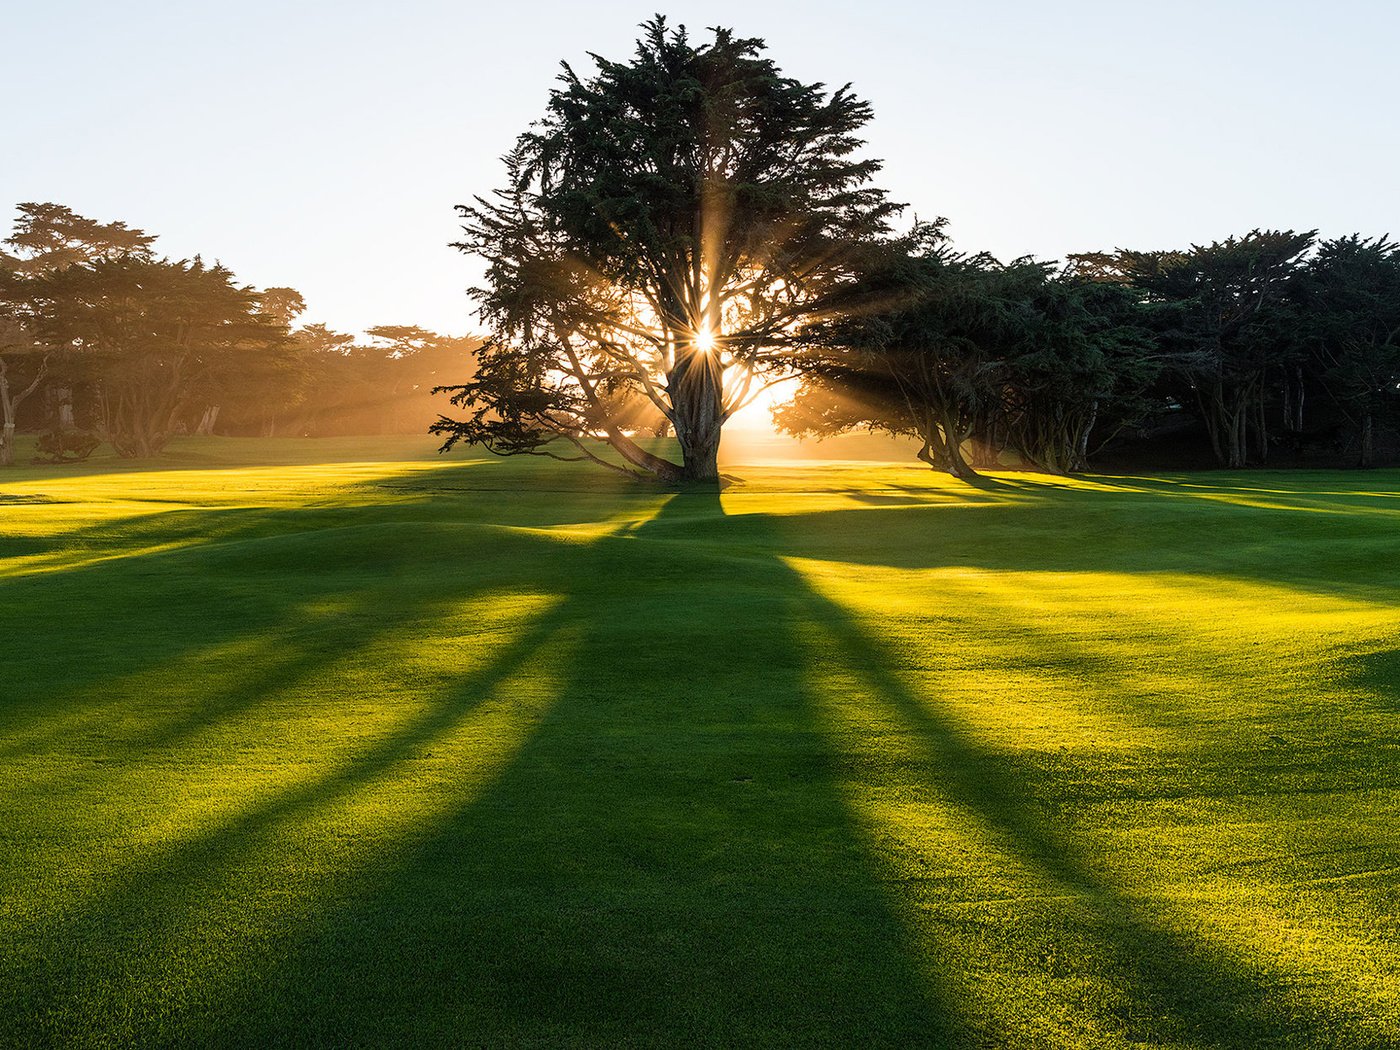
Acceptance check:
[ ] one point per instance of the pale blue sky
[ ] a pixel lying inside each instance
(323, 144)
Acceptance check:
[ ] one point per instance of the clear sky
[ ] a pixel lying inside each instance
(323, 144)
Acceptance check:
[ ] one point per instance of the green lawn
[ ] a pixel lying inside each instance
(341, 743)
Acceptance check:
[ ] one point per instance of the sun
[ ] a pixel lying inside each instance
(704, 339)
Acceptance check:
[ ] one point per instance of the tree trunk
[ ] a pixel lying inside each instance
(1262, 431)
(64, 397)
(957, 466)
(7, 445)
(640, 457)
(696, 387)
(206, 421)
(1367, 440)
(1081, 446)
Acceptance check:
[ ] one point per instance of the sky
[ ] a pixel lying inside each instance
(322, 145)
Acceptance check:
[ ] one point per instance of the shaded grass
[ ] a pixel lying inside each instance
(305, 746)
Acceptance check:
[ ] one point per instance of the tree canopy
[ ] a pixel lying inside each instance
(665, 232)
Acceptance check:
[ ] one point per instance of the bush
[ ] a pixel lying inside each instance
(66, 445)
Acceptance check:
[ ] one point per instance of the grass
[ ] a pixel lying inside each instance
(339, 743)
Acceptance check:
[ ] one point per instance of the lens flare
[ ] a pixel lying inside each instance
(704, 339)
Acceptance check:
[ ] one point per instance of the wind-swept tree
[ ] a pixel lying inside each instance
(156, 334)
(922, 363)
(46, 238)
(1219, 311)
(1346, 314)
(1073, 367)
(666, 231)
(973, 356)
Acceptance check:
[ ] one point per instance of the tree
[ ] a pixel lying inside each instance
(1347, 315)
(1219, 311)
(973, 356)
(921, 362)
(48, 237)
(666, 232)
(1074, 360)
(16, 345)
(156, 332)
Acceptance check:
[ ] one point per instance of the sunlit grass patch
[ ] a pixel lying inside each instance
(423, 752)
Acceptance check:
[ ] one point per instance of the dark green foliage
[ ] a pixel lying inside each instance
(66, 445)
(666, 231)
(971, 356)
(1346, 320)
(158, 334)
(1220, 312)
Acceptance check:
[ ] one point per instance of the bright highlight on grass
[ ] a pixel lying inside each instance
(401, 747)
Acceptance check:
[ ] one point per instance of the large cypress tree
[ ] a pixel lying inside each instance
(666, 232)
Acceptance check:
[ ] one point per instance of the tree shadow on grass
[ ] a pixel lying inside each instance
(670, 856)
(665, 860)
(1175, 986)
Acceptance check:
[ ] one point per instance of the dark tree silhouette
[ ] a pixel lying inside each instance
(155, 333)
(1219, 310)
(666, 232)
(1347, 315)
(971, 355)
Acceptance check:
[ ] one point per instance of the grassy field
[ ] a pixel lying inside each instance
(341, 743)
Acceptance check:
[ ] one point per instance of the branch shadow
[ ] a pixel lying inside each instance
(666, 858)
(670, 855)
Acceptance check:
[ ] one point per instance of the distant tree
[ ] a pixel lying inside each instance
(922, 364)
(973, 356)
(283, 305)
(1075, 361)
(18, 349)
(49, 237)
(155, 333)
(46, 238)
(330, 382)
(416, 362)
(1347, 315)
(1219, 312)
(666, 232)
(261, 378)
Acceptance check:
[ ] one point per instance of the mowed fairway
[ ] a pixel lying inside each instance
(341, 743)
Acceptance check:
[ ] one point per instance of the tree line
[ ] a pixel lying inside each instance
(1264, 344)
(103, 340)
(687, 226)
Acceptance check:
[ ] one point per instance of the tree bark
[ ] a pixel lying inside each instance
(207, 420)
(695, 384)
(640, 457)
(952, 438)
(9, 406)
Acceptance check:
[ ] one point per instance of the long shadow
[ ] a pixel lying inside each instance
(670, 857)
(707, 880)
(1181, 988)
(154, 591)
(666, 861)
(221, 874)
